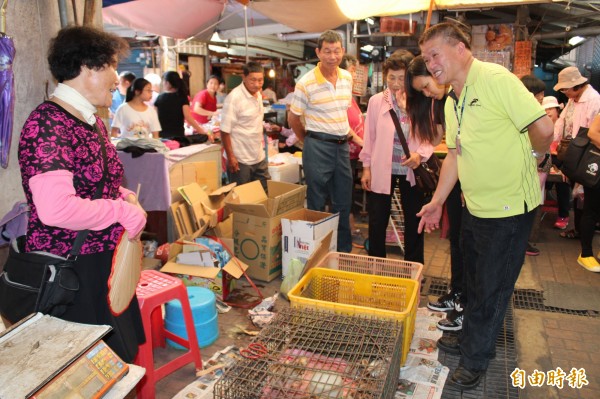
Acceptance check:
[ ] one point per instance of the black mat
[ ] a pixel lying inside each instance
(497, 382)
(570, 296)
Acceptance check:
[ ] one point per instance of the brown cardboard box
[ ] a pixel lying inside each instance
(257, 224)
(203, 173)
(202, 210)
(220, 281)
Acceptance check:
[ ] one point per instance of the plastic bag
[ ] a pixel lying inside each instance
(289, 281)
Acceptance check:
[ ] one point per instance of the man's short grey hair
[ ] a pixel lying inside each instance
(450, 32)
(253, 67)
(329, 36)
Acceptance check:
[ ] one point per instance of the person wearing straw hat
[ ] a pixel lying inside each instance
(582, 107)
(583, 104)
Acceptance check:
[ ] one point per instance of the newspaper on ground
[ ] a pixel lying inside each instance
(202, 387)
(261, 314)
(423, 376)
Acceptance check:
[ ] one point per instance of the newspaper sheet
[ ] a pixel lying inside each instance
(202, 387)
(422, 376)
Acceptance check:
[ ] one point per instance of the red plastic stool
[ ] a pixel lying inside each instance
(154, 290)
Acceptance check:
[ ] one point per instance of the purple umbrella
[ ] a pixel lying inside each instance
(7, 95)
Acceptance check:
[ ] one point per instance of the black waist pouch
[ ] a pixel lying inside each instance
(36, 282)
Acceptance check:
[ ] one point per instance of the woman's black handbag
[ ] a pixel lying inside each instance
(428, 173)
(35, 282)
(582, 161)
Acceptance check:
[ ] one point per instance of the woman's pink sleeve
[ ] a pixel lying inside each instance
(57, 204)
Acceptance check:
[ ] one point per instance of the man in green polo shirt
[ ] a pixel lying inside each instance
(496, 133)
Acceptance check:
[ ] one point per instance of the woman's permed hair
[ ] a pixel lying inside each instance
(138, 85)
(78, 46)
(348, 60)
(398, 61)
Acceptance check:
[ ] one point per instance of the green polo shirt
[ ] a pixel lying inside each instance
(497, 171)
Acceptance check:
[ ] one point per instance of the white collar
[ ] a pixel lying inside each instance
(72, 97)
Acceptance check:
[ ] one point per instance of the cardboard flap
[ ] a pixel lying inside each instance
(259, 210)
(249, 193)
(320, 252)
(288, 200)
(233, 268)
(223, 190)
(198, 271)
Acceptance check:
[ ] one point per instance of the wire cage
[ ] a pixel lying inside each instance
(357, 293)
(312, 354)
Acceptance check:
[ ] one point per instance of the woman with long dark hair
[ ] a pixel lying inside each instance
(173, 106)
(425, 100)
(386, 166)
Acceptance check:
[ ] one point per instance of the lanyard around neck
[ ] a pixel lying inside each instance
(462, 110)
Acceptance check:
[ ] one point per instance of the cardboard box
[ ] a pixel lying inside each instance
(220, 281)
(257, 224)
(301, 233)
(203, 173)
(202, 210)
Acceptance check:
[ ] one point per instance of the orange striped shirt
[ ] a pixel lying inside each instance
(324, 106)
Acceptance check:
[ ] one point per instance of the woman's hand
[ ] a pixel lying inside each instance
(413, 161)
(365, 180)
(136, 219)
(132, 199)
(133, 220)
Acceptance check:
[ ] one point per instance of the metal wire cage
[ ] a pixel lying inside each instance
(313, 354)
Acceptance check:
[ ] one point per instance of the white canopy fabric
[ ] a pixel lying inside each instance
(178, 19)
(181, 19)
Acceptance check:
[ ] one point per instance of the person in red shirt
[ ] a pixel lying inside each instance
(356, 122)
(204, 104)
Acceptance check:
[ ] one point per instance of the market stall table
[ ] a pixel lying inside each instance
(152, 173)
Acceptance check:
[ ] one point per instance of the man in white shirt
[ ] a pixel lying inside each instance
(242, 129)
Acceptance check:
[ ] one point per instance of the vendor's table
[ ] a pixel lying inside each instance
(151, 171)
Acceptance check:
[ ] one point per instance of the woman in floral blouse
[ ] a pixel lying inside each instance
(62, 164)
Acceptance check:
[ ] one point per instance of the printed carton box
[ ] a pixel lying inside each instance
(302, 231)
(257, 224)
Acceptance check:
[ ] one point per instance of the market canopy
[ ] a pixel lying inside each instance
(182, 19)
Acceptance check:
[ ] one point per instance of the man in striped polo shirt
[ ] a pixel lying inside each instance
(323, 96)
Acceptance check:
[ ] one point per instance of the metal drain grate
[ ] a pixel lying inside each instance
(497, 382)
(522, 299)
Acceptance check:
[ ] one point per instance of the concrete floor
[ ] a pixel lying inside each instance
(545, 340)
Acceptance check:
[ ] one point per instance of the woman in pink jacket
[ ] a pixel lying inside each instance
(385, 165)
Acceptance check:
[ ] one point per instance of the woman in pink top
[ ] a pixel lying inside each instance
(385, 165)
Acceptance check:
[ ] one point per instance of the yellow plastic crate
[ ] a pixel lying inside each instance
(357, 293)
(372, 265)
